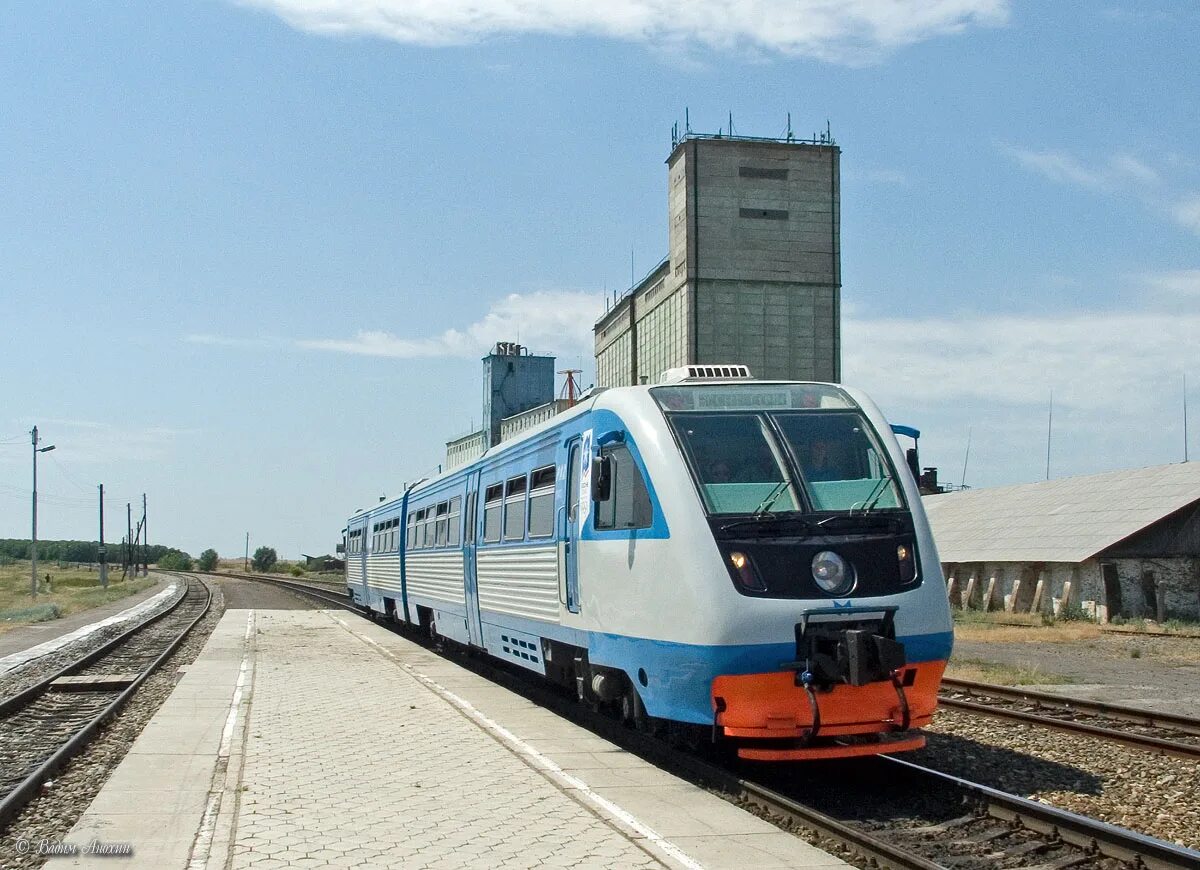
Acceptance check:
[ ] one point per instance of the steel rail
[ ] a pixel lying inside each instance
(1081, 831)
(25, 696)
(1139, 715)
(17, 798)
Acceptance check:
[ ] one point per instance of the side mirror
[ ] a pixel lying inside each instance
(602, 478)
(612, 436)
(914, 464)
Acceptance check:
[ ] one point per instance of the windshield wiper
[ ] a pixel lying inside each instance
(875, 496)
(767, 520)
(772, 497)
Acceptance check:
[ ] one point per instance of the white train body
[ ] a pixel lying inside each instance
(637, 598)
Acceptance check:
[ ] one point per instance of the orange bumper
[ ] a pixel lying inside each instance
(773, 708)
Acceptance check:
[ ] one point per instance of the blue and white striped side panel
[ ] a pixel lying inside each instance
(383, 574)
(436, 574)
(521, 581)
(354, 570)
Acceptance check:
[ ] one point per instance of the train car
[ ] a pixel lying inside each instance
(747, 560)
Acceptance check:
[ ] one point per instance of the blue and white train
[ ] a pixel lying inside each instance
(747, 556)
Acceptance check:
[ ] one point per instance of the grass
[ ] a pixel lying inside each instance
(71, 590)
(1004, 675)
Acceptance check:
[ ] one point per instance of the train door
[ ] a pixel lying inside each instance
(568, 541)
(470, 578)
(363, 540)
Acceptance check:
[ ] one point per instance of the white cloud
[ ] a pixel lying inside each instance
(1113, 173)
(559, 322)
(1095, 361)
(1180, 284)
(1187, 213)
(840, 30)
(90, 441)
(1119, 174)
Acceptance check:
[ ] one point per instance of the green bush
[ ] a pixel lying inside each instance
(264, 559)
(36, 613)
(175, 560)
(208, 560)
(296, 571)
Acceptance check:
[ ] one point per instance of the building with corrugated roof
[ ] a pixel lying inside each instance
(1124, 543)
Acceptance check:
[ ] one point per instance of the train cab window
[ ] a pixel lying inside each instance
(493, 504)
(514, 508)
(455, 534)
(541, 502)
(629, 506)
(443, 524)
(408, 530)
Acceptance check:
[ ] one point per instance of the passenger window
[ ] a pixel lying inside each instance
(629, 507)
(514, 508)
(493, 503)
(455, 534)
(573, 483)
(541, 502)
(443, 518)
(469, 518)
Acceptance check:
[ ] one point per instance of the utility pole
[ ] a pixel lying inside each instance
(145, 541)
(33, 554)
(128, 539)
(246, 564)
(102, 551)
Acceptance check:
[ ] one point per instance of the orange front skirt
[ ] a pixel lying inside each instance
(772, 708)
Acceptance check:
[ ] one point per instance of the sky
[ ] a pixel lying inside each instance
(251, 252)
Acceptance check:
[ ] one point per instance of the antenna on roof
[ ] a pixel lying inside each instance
(1185, 432)
(1049, 430)
(791, 137)
(963, 484)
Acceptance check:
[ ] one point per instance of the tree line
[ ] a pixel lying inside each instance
(73, 551)
(168, 558)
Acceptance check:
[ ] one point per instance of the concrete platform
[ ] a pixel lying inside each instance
(318, 739)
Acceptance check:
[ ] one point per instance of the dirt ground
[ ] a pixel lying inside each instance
(1161, 673)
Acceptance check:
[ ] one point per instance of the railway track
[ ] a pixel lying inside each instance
(46, 724)
(957, 823)
(1156, 732)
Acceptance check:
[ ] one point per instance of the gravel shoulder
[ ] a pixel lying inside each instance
(1157, 673)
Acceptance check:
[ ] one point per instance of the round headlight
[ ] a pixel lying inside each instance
(833, 574)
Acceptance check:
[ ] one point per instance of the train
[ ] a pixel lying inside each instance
(733, 560)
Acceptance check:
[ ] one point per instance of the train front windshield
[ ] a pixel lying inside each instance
(779, 448)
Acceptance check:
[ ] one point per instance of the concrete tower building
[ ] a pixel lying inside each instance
(753, 274)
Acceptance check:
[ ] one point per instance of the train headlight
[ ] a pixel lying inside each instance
(833, 574)
(906, 563)
(744, 574)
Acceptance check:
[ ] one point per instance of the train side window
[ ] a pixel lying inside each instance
(430, 533)
(573, 483)
(541, 502)
(629, 507)
(493, 504)
(514, 508)
(442, 529)
(408, 530)
(455, 533)
(469, 518)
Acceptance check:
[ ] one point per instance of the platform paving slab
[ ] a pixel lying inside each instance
(317, 739)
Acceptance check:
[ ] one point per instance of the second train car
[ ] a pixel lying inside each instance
(743, 559)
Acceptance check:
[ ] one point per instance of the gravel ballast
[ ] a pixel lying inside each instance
(52, 815)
